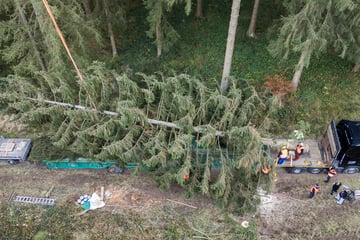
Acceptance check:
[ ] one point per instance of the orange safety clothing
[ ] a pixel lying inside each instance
(331, 172)
(266, 170)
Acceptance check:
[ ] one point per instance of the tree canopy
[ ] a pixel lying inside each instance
(313, 27)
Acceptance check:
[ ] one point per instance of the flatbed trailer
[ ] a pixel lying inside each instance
(14, 150)
(339, 147)
(312, 160)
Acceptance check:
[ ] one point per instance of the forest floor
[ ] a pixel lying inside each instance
(285, 213)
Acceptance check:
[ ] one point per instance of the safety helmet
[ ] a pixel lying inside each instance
(283, 147)
(317, 186)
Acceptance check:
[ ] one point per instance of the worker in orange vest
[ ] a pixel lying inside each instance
(266, 169)
(299, 151)
(314, 189)
(331, 173)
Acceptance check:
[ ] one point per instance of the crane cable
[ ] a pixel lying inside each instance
(65, 45)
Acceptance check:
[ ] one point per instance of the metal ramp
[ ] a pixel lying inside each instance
(35, 200)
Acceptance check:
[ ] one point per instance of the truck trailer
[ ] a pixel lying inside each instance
(339, 147)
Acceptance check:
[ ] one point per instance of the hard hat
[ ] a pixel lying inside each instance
(301, 144)
(317, 185)
(283, 147)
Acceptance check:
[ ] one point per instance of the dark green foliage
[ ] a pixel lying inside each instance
(242, 114)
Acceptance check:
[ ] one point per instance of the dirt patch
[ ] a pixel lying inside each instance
(121, 191)
(285, 213)
(288, 213)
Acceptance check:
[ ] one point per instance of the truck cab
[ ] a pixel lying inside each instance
(347, 153)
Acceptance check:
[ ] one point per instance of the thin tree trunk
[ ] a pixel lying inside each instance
(199, 9)
(356, 68)
(111, 33)
(300, 66)
(230, 44)
(251, 30)
(87, 8)
(158, 37)
(151, 121)
(31, 37)
(41, 21)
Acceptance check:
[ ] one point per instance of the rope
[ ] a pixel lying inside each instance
(64, 44)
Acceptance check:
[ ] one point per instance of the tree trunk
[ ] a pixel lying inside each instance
(31, 37)
(230, 45)
(199, 12)
(111, 33)
(158, 37)
(151, 121)
(300, 66)
(251, 30)
(87, 8)
(41, 21)
(356, 68)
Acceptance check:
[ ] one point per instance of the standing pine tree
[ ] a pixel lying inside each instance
(160, 29)
(311, 28)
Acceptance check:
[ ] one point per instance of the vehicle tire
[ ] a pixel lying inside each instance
(315, 170)
(351, 170)
(295, 170)
(12, 162)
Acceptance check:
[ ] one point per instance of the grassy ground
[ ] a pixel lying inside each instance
(291, 215)
(134, 208)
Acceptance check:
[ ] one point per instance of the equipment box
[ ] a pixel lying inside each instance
(14, 149)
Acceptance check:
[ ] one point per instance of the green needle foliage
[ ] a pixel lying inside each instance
(193, 147)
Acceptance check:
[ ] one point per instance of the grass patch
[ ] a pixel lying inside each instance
(25, 222)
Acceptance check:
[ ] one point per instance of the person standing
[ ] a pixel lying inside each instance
(314, 189)
(299, 151)
(283, 155)
(344, 194)
(331, 173)
(335, 187)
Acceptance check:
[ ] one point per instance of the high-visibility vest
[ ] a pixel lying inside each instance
(314, 189)
(332, 172)
(283, 153)
(266, 170)
(299, 149)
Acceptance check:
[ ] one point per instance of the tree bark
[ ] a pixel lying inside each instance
(111, 33)
(251, 30)
(356, 68)
(87, 8)
(230, 45)
(300, 66)
(151, 121)
(31, 37)
(158, 37)
(199, 9)
(41, 21)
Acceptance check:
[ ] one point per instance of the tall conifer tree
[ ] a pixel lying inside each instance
(311, 27)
